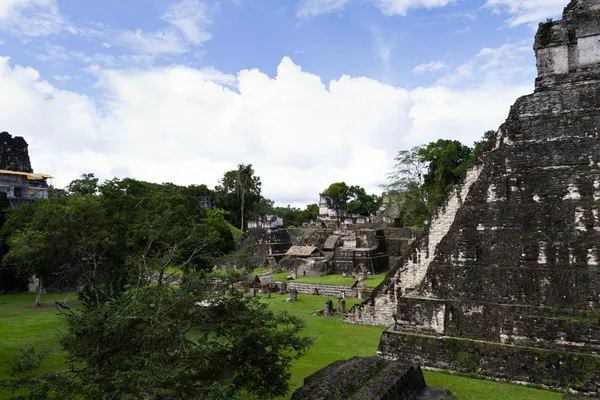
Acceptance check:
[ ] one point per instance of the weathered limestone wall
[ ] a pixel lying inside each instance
(14, 154)
(508, 286)
(326, 290)
(522, 364)
(410, 270)
(373, 378)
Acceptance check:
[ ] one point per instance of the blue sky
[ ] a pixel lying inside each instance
(310, 91)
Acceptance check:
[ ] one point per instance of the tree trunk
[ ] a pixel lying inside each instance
(160, 276)
(243, 195)
(39, 293)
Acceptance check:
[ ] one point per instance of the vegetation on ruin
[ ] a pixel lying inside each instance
(23, 326)
(352, 199)
(545, 34)
(423, 176)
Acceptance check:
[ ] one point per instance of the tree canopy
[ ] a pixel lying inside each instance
(239, 192)
(201, 340)
(424, 175)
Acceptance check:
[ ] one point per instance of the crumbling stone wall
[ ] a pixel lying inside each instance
(266, 243)
(371, 378)
(327, 290)
(508, 285)
(14, 153)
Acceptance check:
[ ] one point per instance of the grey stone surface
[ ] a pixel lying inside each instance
(341, 306)
(14, 153)
(329, 308)
(369, 378)
(505, 281)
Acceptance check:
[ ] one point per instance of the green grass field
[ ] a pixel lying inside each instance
(237, 234)
(372, 282)
(22, 326)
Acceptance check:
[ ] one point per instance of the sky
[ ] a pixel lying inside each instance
(309, 92)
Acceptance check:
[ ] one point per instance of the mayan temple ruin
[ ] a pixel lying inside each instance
(505, 281)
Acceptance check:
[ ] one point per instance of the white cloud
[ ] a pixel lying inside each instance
(401, 7)
(312, 8)
(192, 17)
(429, 67)
(527, 11)
(32, 17)
(155, 43)
(61, 78)
(186, 125)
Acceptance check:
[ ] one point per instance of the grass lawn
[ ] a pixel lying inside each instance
(22, 326)
(372, 282)
(335, 340)
(237, 234)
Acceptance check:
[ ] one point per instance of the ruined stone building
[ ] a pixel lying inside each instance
(505, 280)
(266, 221)
(17, 179)
(306, 261)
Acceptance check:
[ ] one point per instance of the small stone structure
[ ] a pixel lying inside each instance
(329, 308)
(505, 282)
(268, 246)
(263, 282)
(305, 261)
(369, 378)
(266, 221)
(17, 179)
(341, 306)
(326, 290)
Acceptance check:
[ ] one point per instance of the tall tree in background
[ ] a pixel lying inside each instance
(359, 202)
(338, 192)
(86, 184)
(424, 175)
(239, 192)
(448, 161)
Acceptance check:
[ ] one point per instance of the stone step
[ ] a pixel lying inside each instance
(554, 368)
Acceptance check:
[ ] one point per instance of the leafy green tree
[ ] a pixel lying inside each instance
(359, 202)
(123, 235)
(338, 192)
(31, 248)
(87, 184)
(409, 170)
(204, 340)
(448, 161)
(239, 193)
(484, 145)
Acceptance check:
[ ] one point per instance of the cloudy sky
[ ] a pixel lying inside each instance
(308, 91)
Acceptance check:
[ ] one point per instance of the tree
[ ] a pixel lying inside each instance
(448, 161)
(203, 340)
(123, 235)
(359, 202)
(87, 184)
(408, 170)
(239, 189)
(338, 192)
(33, 249)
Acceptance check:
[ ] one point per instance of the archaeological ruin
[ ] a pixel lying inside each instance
(372, 378)
(505, 280)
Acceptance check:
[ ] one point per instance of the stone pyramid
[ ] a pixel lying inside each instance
(506, 280)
